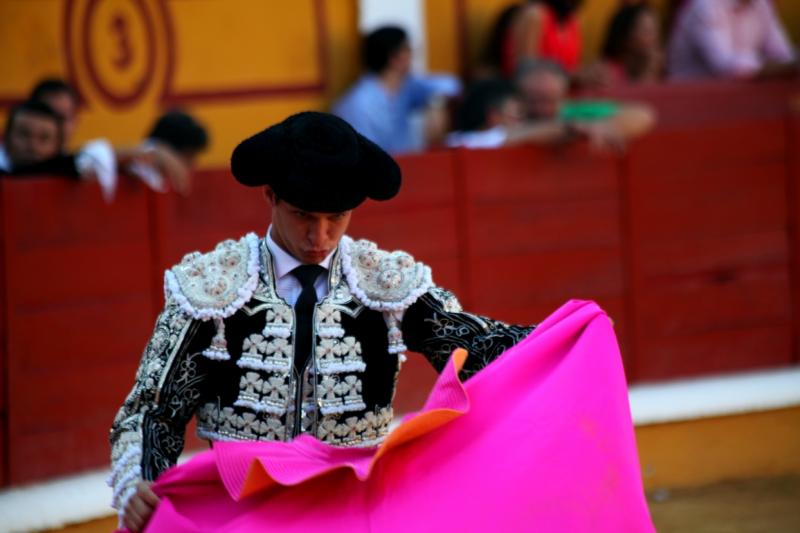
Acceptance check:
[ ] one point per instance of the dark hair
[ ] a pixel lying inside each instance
(38, 108)
(562, 8)
(50, 86)
(497, 39)
(529, 66)
(180, 131)
(620, 29)
(380, 45)
(481, 98)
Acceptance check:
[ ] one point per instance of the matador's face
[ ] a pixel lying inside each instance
(308, 236)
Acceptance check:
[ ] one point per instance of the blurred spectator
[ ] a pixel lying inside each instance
(61, 97)
(545, 29)
(34, 134)
(632, 49)
(500, 56)
(34, 137)
(728, 38)
(381, 103)
(544, 86)
(492, 115)
(180, 134)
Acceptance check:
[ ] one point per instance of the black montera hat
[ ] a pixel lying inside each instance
(317, 162)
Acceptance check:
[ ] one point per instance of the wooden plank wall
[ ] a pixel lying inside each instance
(79, 302)
(690, 241)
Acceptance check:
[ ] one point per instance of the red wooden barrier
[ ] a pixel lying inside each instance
(3, 350)
(78, 300)
(711, 285)
(793, 195)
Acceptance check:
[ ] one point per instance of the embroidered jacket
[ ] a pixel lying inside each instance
(222, 352)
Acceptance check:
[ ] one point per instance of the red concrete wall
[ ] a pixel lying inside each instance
(690, 241)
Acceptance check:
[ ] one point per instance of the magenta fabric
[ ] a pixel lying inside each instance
(540, 440)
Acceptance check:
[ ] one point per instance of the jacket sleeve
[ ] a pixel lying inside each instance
(435, 325)
(147, 435)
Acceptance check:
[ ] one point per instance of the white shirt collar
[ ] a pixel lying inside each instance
(284, 263)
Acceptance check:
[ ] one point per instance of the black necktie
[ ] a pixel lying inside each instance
(304, 313)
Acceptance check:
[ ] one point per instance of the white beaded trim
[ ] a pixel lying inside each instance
(126, 470)
(260, 407)
(338, 368)
(282, 332)
(270, 366)
(123, 484)
(330, 332)
(207, 434)
(121, 464)
(340, 409)
(245, 292)
(216, 354)
(351, 274)
(365, 443)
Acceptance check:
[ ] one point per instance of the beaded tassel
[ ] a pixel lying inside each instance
(218, 350)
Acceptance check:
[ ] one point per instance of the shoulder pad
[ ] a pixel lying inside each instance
(383, 281)
(216, 284)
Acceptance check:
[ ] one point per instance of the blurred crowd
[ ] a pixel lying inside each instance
(38, 136)
(527, 89)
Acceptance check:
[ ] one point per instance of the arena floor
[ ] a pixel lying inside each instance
(769, 505)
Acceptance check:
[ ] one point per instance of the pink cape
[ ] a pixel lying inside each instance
(540, 440)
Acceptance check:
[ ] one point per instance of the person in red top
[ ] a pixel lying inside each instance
(632, 51)
(543, 29)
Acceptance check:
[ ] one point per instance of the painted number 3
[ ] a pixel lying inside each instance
(121, 30)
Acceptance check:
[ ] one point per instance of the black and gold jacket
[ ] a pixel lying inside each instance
(222, 352)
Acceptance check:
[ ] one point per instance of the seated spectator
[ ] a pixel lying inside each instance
(381, 103)
(548, 30)
(500, 55)
(33, 135)
(545, 29)
(180, 134)
(61, 97)
(728, 38)
(544, 86)
(632, 50)
(492, 115)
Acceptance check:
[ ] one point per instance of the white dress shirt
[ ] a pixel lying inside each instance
(286, 284)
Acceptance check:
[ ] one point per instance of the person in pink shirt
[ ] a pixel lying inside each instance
(728, 38)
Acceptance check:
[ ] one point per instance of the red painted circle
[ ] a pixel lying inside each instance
(116, 98)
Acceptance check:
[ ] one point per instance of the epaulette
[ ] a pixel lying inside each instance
(389, 282)
(214, 285)
(381, 280)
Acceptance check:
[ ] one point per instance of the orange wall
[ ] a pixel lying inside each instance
(699, 452)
